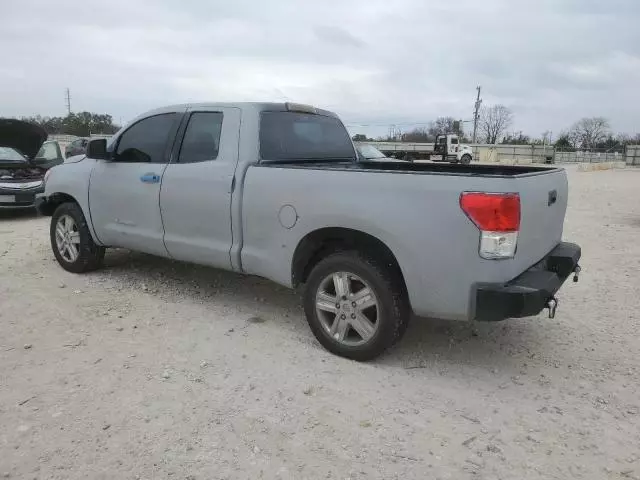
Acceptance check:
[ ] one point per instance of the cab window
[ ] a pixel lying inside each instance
(201, 140)
(146, 141)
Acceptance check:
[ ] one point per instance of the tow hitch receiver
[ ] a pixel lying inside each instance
(576, 272)
(552, 305)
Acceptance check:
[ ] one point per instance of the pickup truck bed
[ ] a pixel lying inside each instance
(422, 168)
(415, 212)
(276, 190)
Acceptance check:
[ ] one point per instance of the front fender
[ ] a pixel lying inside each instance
(70, 182)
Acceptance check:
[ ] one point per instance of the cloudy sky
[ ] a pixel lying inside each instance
(375, 62)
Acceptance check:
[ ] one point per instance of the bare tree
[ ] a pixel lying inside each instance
(443, 126)
(494, 122)
(417, 135)
(588, 132)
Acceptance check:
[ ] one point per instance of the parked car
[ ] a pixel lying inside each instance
(369, 152)
(77, 147)
(24, 159)
(275, 190)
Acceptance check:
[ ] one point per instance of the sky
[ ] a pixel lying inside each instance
(374, 62)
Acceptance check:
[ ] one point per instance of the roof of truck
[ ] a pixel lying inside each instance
(254, 106)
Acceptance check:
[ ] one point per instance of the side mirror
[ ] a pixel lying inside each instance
(97, 149)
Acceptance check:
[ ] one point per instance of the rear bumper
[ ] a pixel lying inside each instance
(529, 293)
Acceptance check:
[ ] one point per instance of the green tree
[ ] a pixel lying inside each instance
(516, 139)
(612, 143)
(564, 143)
(81, 124)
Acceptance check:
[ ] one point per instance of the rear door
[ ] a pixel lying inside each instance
(124, 192)
(195, 197)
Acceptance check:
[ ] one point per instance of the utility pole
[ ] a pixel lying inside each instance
(476, 114)
(68, 98)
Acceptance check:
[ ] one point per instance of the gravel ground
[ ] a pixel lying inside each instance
(152, 369)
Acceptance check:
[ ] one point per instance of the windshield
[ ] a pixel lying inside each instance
(369, 152)
(10, 155)
(294, 136)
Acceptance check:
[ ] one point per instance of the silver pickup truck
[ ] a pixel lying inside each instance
(278, 191)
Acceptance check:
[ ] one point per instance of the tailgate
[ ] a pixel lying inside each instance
(543, 199)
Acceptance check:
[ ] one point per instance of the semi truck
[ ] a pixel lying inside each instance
(447, 148)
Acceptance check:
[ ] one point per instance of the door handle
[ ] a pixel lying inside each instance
(150, 178)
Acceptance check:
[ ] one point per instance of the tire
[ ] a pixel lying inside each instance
(465, 160)
(88, 256)
(389, 316)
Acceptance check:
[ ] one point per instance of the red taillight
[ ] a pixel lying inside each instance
(492, 212)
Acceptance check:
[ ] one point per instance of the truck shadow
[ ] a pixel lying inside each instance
(173, 279)
(13, 214)
(428, 344)
(443, 345)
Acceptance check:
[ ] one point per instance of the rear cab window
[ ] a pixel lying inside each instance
(299, 137)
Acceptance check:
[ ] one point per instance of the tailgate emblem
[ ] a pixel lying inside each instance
(553, 197)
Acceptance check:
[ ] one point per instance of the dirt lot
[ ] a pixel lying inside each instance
(153, 369)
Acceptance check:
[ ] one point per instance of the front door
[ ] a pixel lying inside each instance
(195, 197)
(124, 192)
(453, 144)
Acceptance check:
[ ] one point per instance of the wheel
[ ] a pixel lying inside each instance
(71, 240)
(465, 160)
(356, 306)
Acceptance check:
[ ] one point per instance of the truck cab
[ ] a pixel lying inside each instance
(449, 148)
